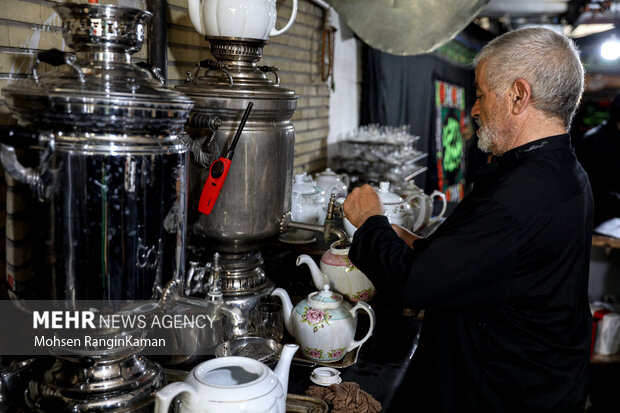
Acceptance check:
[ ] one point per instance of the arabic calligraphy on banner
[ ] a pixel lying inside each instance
(449, 140)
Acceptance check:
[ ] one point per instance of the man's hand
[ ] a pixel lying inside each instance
(362, 203)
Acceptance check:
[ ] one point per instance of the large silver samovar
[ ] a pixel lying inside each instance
(113, 185)
(257, 192)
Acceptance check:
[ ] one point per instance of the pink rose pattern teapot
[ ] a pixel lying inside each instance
(337, 270)
(324, 324)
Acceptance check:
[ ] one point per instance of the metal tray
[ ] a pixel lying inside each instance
(296, 403)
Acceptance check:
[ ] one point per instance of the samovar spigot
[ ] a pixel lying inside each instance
(328, 228)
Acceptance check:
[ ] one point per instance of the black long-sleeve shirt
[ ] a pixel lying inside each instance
(504, 283)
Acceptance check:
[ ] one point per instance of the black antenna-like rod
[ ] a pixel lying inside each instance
(231, 151)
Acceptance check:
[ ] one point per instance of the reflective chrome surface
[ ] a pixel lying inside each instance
(90, 385)
(118, 228)
(113, 174)
(113, 168)
(97, 88)
(257, 191)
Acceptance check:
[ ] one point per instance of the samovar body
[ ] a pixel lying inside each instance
(110, 185)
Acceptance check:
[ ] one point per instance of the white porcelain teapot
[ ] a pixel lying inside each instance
(254, 19)
(231, 385)
(422, 206)
(339, 273)
(307, 206)
(324, 324)
(332, 183)
(396, 209)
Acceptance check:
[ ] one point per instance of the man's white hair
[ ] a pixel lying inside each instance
(549, 62)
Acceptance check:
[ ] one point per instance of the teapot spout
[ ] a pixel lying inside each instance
(284, 364)
(287, 308)
(318, 278)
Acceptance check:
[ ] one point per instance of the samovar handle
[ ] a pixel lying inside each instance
(21, 138)
(273, 70)
(56, 57)
(211, 65)
(153, 70)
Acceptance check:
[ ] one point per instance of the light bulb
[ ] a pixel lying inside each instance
(610, 49)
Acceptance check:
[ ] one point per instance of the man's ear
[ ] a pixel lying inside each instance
(520, 95)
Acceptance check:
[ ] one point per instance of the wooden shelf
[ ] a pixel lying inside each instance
(600, 359)
(605, 242)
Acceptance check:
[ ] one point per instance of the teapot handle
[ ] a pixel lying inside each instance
(164, 397)
(345, 179)
(441, 195)
(291, 20)
(419, 213)
(361, 305)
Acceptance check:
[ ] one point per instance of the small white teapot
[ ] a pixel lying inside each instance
(422, 206)
(332, 183)
(254, 19)
(231, 385)
(397, 210)
(324, 324)
(307, 206)
(338, 271)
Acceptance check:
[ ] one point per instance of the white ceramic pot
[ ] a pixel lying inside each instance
(396, 209)
(348, 227)
(324, 324)
(254, 19)
(307, 206)
(422, 206)
(332, 183)
(231, 385)
(339, 273)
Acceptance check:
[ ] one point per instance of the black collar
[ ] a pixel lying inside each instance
(514, 155)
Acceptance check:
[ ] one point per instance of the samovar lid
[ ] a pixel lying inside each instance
(98, 88)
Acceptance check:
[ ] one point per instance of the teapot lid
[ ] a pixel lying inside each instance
(325, 299)
(386, 196)
(301, 186)
(327, 172)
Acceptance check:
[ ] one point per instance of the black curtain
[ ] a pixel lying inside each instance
(400, 90)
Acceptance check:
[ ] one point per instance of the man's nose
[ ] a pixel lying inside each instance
(475, 112)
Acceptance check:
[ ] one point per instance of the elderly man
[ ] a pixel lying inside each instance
(504, 279)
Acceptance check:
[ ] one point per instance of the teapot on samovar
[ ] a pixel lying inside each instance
(244, 19)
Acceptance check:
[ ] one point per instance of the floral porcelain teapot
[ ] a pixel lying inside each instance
(254, 19)
(324, 324)
(231, 385)
(339, 273)
(422, 206)
(397, 210)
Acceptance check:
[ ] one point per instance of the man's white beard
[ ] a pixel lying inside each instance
(487, 134)
(496, 133)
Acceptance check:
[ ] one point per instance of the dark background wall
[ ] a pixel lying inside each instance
(400, 90)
